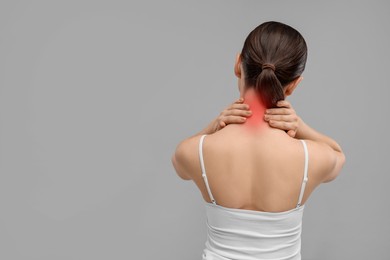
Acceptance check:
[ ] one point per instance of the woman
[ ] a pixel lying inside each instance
(257, 164)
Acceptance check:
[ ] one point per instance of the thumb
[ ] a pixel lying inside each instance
(291, 133)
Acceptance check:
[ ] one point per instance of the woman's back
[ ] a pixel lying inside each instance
(257, 170)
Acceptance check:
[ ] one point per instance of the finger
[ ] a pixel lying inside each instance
(236, 112)
(234, 120)
(287, 118)
(238, 101)
(239, 106)
(278, 111)
(283, 103)
(291, 133)
(281, 125)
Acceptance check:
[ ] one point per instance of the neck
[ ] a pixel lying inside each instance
(256, 120)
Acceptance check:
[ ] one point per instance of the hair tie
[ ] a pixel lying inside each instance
(268, 66)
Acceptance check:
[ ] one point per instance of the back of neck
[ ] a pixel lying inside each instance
(256, 121)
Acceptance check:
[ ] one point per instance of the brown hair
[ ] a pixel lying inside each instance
(274, 54)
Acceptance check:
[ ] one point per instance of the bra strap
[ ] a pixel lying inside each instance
(203, 168)
(305, 178)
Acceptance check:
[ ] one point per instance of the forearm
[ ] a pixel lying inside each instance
(306, 132)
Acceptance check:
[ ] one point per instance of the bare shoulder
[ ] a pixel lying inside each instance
(324, 162)
(186, 158)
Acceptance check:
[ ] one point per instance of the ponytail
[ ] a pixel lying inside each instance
(269, 86)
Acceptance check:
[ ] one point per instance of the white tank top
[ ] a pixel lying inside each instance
(243, 234)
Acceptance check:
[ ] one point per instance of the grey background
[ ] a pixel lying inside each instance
(95, 95)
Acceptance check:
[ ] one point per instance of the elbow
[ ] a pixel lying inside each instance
(339, 163)
(179, 169)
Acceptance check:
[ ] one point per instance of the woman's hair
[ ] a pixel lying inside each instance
(274, 54)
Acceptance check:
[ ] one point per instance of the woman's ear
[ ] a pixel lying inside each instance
(289, 89)
(237, 66)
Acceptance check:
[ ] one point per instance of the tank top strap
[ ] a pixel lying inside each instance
(204, 169)
(305, 178)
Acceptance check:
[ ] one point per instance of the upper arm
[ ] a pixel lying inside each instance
(327, 161)
(184, 159)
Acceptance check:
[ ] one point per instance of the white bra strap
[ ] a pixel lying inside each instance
(305, 178)
(203, 169)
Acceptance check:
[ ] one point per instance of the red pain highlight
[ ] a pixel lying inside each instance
(256, 120)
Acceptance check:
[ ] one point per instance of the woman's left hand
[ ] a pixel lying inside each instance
(283, 117)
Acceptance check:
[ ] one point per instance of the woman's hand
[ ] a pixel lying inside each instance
(236, 113)
(283, 117)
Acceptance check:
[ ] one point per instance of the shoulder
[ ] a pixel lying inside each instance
(186, 157)
(324, 162)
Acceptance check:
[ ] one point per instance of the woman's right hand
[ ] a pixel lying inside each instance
(283, 117)
(236, 113)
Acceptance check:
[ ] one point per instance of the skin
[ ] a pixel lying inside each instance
(253, 157)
